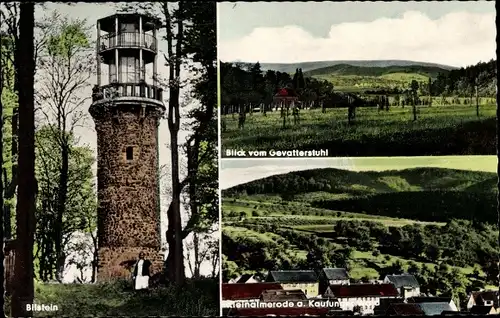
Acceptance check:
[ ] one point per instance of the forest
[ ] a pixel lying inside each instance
(48, 181)
(338, 218)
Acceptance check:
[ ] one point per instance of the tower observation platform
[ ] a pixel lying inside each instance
(127, 105)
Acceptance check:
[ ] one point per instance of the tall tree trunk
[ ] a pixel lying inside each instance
(429, 91)
(175, 259)
(414, 106)
(2, 211)
(477, 100)
(23, 293)
(193, 154)
(215, 265)
(62, 196)
(197, 261)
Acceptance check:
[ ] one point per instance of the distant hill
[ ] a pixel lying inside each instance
(346, 69)
(309, 66)
(425, 194)
(423, 179)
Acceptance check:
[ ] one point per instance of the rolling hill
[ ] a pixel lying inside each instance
(310, 66)
(346, 69)
(428, 179)
(423, 194)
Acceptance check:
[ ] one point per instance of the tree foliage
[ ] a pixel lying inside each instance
(80, 207)
(189, 35)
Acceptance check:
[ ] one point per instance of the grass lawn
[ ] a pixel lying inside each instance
(235, 231)
(361, 83)
(198, 298)
(439, 130)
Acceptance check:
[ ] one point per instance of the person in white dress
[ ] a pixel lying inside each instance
(141, 273)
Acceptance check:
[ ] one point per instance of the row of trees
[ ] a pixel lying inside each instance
(251, 253)
(249, 87)
(421, 243)
(57, 196)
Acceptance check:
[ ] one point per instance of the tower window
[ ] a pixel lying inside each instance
(130, 153)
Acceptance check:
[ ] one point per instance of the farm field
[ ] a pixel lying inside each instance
(439, 130)
(357, 83)
(316, 217)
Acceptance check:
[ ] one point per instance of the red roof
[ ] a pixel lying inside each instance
(405, 309)
(283, 92)
(364, 290)
(246, 291)
(286, 92)
(297, 311)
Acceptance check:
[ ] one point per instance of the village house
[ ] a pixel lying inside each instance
(483, 310)
(435, 308)
(404, 309)
(272, 312)
(305, 280)
(455, 313)
(245, 279)
(285, 295)
(364, 297)
(483, 298)
(419, 309)
(406, 284)
(419, 300)
(332, 276)
(384, 305)
(240, 293)
(282, 295)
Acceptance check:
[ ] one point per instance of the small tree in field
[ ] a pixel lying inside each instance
(429, 84)
(414, 96)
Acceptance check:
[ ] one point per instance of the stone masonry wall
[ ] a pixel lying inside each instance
(111, 261)
(128, 221)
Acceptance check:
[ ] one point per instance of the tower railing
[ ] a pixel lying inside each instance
(115, 90)
(127, 39)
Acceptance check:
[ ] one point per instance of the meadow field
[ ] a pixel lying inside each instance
(415, 220)
(196, 298)
(439, 130)
(357, 83)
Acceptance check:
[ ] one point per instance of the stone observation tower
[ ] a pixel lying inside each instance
(126, 108)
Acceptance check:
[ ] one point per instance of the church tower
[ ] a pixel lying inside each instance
(126, 108)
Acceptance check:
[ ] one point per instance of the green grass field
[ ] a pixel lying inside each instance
(355, 83)
(439, 130)
(197, 298)
(466, 163)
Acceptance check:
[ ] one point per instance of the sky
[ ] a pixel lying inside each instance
(238, 171)
(87, 135)
(455, 33)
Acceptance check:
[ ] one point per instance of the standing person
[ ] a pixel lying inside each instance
(141, 273)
